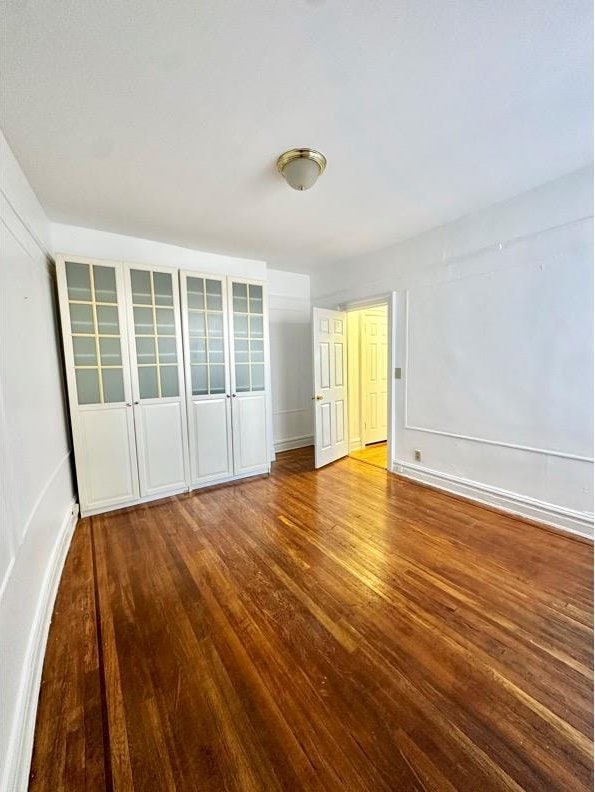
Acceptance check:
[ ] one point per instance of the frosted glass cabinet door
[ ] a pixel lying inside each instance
(93, 315)
(157, 379)
(208, 396)
(248, 323)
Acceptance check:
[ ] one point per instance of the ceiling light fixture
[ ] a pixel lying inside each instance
(301, 167)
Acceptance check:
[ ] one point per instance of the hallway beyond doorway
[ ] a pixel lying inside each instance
(374, 454)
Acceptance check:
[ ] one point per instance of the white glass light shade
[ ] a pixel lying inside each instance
(301, 174)
(301, 167)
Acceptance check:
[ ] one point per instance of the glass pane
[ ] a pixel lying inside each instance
(104, 279)
(257, 351)
(145, 350)
(109, 349)
(165, 321)
(257, 376)
(240, 326)
(84, 350)
(214, 301)
(216, 354)
(241, 350)
(167, 350)
(81, 318)
(198, 351)
(87, 386)
(199, 380)
(78, 280)
(143, 321)
(195, 288)
(196, 324)
(113, 385)
(255, 299)
(256, 327)
(147, 382)
(107, 320)
(215, 324)
(240, 297)
(217, 379)
(162, 287)
(242, 377)
(169, 380)
(141, 287)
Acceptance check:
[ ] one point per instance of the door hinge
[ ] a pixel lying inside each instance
(397, 373)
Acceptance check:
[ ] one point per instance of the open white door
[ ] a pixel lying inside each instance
(329, 335)
(374, 371)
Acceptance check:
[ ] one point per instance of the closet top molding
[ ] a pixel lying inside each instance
(192, 261)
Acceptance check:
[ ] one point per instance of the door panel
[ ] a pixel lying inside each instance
(208, 389)
(107, 477)
(248, 344)
(249, 434)
(157, 379)
(93, 316)
(161, 447)
(375, 368)
(211, 451)
(329, 334)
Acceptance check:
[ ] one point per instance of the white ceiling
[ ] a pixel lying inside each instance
(164, 119)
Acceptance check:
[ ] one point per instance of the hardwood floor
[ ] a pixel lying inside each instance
(334, 630)
(375, 454)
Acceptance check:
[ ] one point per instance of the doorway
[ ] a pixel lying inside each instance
(367, 381)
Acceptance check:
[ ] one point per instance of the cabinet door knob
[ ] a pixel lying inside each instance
(129, 404)
(137, 402)
(234, 395)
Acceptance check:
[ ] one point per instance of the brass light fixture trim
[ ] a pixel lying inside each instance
(289, 157)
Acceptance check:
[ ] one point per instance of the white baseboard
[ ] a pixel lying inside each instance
(294, 442)
(355, 443)
(569, 520)
(18, 761)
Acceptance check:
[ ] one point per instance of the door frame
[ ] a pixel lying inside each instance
(390, 300)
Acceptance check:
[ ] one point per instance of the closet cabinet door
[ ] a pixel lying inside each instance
(157, 379)
(204, 319)
(99, 387)
(248, 313)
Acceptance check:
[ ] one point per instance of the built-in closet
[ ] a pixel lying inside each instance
(167, 376)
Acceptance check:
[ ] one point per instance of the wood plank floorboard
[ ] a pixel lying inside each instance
(340, 629)
(374, 454)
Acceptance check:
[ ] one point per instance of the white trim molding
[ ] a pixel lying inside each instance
(18, 760)
(569, 520)
(294, 442)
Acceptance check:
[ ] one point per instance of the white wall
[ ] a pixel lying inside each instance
(291, 358)
(36, 487)
(74, 240)
(495, 339)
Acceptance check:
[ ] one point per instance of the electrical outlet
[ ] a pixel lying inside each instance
(417, 454)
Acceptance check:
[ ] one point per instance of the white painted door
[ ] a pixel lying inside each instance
(99, 385)
(374, 374)
(208, 386)
(329, 334)
(157, 379)
(248, 349)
